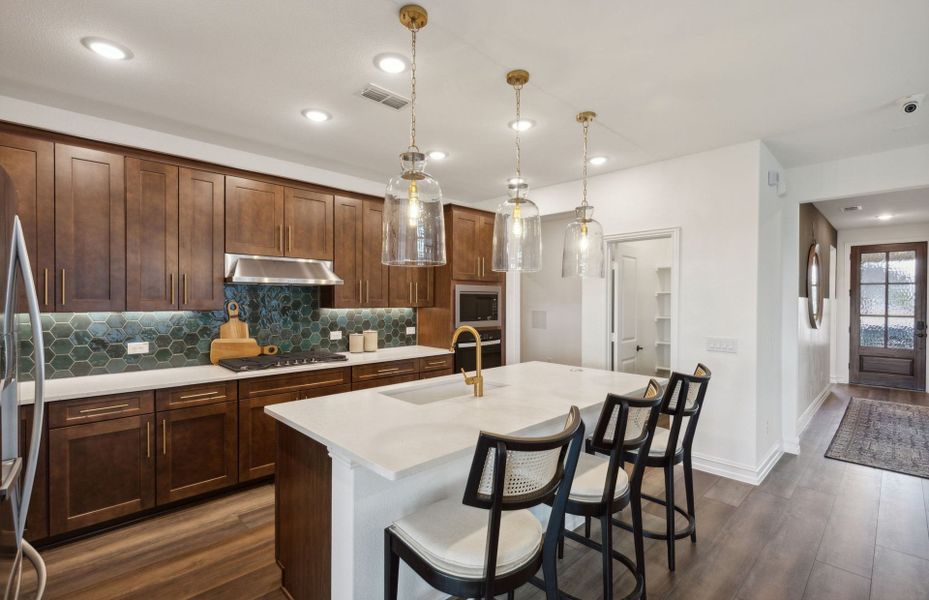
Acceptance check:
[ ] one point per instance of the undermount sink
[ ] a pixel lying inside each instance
(426, 394)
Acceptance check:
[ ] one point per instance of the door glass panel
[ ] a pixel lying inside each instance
(902, 267)
(901, 299)
(872, 332)
(874, 267)
(872, 299)
(900, 332)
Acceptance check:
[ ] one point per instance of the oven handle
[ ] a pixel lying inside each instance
(474, 344)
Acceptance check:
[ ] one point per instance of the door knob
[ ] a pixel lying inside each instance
(639, 348)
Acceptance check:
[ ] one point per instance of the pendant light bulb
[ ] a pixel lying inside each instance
(414, 222)
(583, 239)
(517, 223)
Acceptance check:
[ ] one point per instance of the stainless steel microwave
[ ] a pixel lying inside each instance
(477, 305)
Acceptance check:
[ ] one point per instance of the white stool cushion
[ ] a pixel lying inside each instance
(452, 538)
(590, 479)
(660, 441)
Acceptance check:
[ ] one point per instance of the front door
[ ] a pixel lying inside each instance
(888, 315)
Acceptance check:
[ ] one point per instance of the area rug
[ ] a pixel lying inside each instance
(884, 435)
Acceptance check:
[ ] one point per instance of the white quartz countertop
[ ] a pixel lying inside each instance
(395, 438)
(119, 383)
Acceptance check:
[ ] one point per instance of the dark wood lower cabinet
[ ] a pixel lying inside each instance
(257, 436)
(100, 471)
(373, 383)
(37, 517)
(196, 450)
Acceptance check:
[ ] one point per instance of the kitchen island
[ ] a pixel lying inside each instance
(350, 464)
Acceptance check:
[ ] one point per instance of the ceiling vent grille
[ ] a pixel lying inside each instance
(385, 97)
(850, 209)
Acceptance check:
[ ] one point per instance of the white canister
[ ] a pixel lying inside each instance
(356, 343)
(370, 340)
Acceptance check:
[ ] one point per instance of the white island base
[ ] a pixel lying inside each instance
(351, 464)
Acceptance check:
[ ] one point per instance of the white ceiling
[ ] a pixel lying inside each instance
(816, 79)
(909, 206)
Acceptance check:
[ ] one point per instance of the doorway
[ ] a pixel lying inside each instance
(642, 302)
(888, 315)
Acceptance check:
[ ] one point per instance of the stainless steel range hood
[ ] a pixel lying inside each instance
(274, 270)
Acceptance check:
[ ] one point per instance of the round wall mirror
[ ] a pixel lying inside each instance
(814, 288)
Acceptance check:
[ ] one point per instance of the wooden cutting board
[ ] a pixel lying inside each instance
(234, 327)
(233, 348)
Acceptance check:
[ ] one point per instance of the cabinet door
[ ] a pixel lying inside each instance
(196, 450)
(486, 249)
(90, 230)
(465, 245)
(151, 235)
(375, 274)
(37, 519)
(30, 163)
(401, 286)
(258, 436)
(348, 252)
(254, 217)
(423, 279)
(200, 240)
(100, 471)
(308, 224)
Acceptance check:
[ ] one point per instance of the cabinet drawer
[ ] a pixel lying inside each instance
(373, 383)
(385, 369)
(101, 408)
(431, 374)
(197, 395)
(280, 384)
(437, 363)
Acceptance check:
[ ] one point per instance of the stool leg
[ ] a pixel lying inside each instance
(669, 512)
(637, 537)
(587, 527)
(689, 484)
(550, 573)
(607, 553)
(511, 595)
(561, 540)
(391, 569)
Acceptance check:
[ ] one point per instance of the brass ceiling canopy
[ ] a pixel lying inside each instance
(518, 77)
(586, 117)
(413, 16)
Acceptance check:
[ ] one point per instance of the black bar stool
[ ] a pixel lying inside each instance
(489, 543)
(670, 448)
(602, 487)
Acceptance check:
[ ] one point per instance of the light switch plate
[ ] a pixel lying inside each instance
(411, 331)
(137, 348)
(335, 335)
(727, 345)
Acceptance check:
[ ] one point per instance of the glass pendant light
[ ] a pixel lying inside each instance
(517, 225)
(414, 225)
(583, 239)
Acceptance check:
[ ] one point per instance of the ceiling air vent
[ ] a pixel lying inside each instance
(385, 97)
(850, 209)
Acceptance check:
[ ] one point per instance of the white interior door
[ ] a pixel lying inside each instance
(626, 315)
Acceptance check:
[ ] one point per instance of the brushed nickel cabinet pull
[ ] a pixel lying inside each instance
(280, 237)
(367, 291)
(390, 370)
(411, 293)
(200, 395)
(184, 276)
(104, 408)
(417, 293)
(477, 272)
(171, 285)
(63, 287)
(290, 238)
(435, 363)
(148, 439)
(45, 272)
(360, 294)
(164, 436)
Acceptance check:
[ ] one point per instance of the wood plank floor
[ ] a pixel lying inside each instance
(815, 529)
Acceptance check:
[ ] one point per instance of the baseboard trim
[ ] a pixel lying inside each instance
(736, 470)
(804, 421)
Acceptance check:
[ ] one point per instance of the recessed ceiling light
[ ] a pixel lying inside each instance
(598, 160)
(316, 115)
(106, 48)
(521, 124)
(437, 154)
(391, 63)
(885, 217)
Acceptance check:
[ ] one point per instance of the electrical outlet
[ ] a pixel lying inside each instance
(727, 345)
(411, 331)
(335, 335)
(137, 348)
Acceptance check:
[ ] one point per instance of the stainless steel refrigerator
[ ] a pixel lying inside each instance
(18, 462)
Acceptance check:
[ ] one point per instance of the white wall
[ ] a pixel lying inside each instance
(862, 237)
(714, 198)
(549, 313)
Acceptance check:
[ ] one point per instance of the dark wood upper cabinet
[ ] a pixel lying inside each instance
(375, 274)
(485, 249)
(100, 471)
(470, 239)
(412, 286)
(197, 450)
(151, 235)
(308, 222)
(254, 217)
(200, 240)
(348, 239)
(30, 164)
(90, 230)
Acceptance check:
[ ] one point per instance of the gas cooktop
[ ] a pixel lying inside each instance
(287, 359)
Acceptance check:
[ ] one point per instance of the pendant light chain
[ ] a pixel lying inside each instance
(413, 31)
(518, 88)
(586, 125)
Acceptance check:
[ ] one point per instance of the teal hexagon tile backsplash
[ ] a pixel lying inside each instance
(290, 317)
